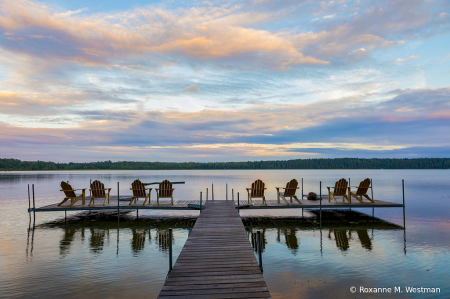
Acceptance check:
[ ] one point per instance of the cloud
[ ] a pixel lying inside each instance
(191, 88)
(405, 59)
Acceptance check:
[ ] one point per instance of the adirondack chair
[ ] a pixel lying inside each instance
(256, 191)
(138, 189)
(340, 189)
(98, 191)
(70, 194)
(165, 190)
(289, 191)
(361, 191)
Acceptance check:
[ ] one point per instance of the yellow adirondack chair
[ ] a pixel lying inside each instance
(256, 191)
(289, 191)
(165, 190)
(70, 194)
(139, 191)
(340, 189)
(98, 191)
(361, 191)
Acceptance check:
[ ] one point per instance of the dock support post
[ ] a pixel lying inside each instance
(226, 192)
(170, 250)
(232, 194)
(302, 188)
(118, 211)
(371, 187)
(259, 250)
(90, 183)
(29, 199)
(373, 212)
(34, 204)
(206, 194)
(137, 214)
(238, 203)
(200, 201)
(212, 191)
(320, 194)
(403, 193)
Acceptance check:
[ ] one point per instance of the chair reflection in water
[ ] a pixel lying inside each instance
(97, 240)
(162, 238)
(138, 240)
(342, 240)
(254, 239)
(289, 237)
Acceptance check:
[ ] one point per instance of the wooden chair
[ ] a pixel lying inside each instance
(289, 191)
(340, 189)
(257, 190)
(70, 194)
(361, 191)
(139, 191)
(165, 190)
(98, 191)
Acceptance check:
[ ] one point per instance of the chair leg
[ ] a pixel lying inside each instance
(171, 200)
(131, 201)
(332, 197)
(284, 198)
(65, 199)
(264, 200)
(147, 198)
(74, 200)
(295, 197)
(366, 196)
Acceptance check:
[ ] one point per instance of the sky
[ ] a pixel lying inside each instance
(206, 81)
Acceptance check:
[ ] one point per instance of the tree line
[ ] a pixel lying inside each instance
(337, 163)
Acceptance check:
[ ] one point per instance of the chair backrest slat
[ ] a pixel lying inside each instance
(67, 189)
(363, 187)
(340, 187)
(291, 187)
(98, 189)
(138, 188)
(164, 189)
(258, 188)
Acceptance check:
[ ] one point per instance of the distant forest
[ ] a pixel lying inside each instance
(338, 163)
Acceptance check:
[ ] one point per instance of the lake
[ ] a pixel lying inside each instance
(94, 255)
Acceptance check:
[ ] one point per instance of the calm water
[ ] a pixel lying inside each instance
(101, 257)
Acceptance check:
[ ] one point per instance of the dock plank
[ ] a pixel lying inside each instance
(217, 260)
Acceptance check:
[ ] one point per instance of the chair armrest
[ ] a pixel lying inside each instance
(80, 189)
(69, 190)
(291, 188)
(141, 189)
(100, 189)
(164, 189)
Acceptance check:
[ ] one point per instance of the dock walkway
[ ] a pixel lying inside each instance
(217, 260)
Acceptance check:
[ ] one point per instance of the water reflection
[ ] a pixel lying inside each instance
(289, 231)
(254, 238)
(162, 238)
(138, 240)
(97, 240)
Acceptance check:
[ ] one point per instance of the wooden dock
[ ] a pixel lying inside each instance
(217, 260)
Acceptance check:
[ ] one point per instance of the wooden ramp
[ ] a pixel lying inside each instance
(217, 260)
